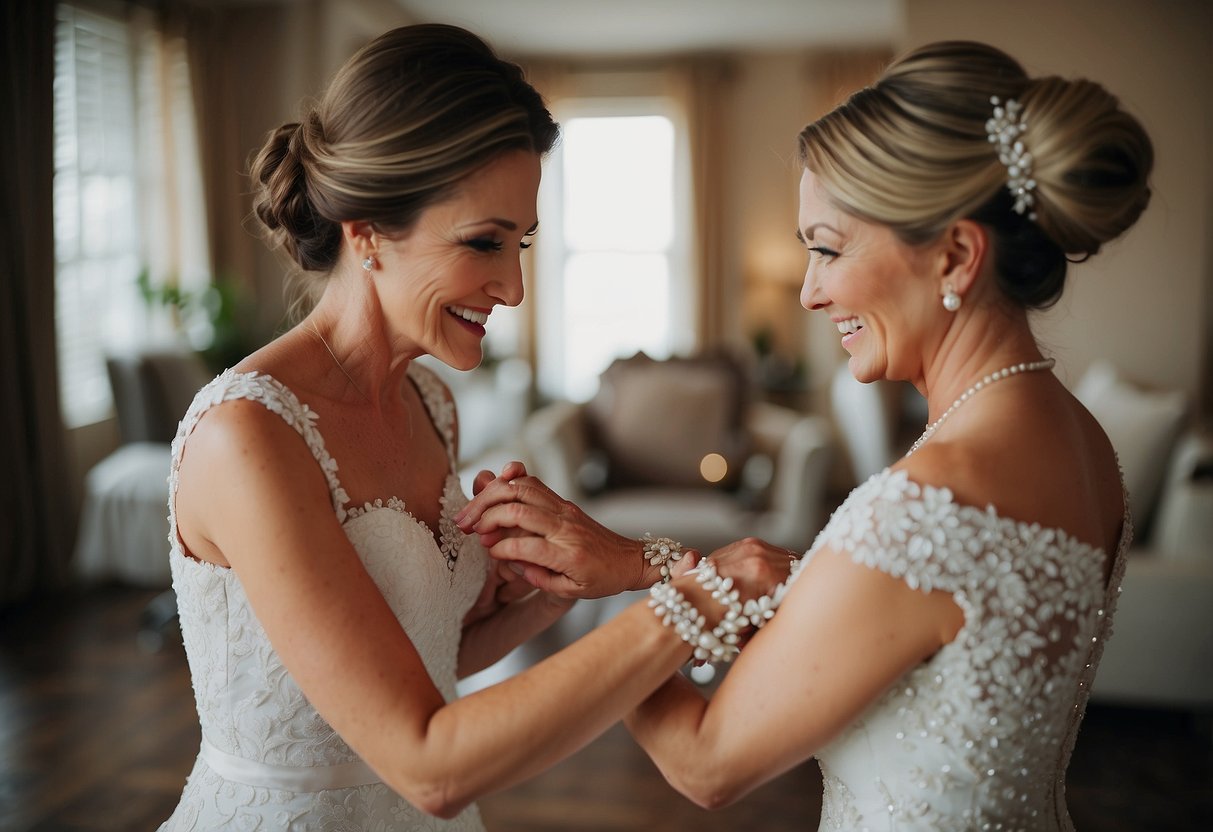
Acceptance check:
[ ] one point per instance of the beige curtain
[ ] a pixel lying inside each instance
(222, 150)
(172, 209)
(699, 85)
(239, 78)
(34, 504)
(553, 81)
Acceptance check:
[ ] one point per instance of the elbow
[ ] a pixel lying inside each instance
(713, 799)
(709, 789)
(439, 806)
(445, 810)
(439, 799)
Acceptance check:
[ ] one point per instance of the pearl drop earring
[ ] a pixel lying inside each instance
(951, 300)
(368, 264)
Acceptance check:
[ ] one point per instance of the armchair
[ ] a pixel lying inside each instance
(124, 519)
(630, 457)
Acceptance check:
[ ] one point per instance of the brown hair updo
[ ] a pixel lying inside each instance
(911, 152)
(408, 116)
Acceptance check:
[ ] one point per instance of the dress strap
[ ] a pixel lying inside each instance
(440, 405)
(275, 397)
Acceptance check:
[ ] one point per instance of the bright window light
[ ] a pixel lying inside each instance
(612, 283)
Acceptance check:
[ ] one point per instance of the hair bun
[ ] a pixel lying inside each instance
(1092, 162)
(282, 202)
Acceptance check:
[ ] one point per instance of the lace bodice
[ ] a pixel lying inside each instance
(978, 737)
(269, 760)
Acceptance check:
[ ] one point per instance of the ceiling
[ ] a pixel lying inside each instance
(604, 28)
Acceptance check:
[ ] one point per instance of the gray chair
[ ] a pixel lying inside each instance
(124, 519)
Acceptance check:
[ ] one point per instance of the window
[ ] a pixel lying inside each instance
(611, 272)
(127, 194)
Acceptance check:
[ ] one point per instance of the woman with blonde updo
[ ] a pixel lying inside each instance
(936, 645)
(328, 601)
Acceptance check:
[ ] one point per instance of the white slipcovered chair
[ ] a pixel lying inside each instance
(123, 532)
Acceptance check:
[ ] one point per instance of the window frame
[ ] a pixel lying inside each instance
(552, 253)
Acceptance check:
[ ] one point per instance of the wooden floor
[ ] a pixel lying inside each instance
(98, 733)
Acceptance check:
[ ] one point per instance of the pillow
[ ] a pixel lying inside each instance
(657, 420)
(1142, 426)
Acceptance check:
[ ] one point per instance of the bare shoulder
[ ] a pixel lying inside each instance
(241, 461)
(1038, 458)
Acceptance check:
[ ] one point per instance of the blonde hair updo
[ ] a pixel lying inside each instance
(911, 152)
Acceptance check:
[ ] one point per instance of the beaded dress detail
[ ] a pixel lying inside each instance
(269, 761)
(979, 736)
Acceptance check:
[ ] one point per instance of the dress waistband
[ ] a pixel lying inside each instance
(289, 778)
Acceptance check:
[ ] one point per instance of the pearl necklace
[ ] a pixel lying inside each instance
(997, 375)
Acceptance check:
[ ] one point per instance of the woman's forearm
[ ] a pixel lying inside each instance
(668, 725)
(511, 731)
(489, 639)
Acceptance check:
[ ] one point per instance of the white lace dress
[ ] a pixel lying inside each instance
(268, 760)
(978, 737)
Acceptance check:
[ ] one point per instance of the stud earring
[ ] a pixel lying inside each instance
(951, 300)
(368, 264)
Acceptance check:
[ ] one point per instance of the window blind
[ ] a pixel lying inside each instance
(95, 187)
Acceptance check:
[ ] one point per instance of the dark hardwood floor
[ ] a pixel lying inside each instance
(98, 733)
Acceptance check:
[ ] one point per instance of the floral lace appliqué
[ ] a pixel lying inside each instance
(249, 705)
(982, 732)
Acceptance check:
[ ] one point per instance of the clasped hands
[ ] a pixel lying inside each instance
(546, 543)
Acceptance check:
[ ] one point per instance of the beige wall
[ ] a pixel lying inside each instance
(1144, 302)
(761, 254)
(771, 98)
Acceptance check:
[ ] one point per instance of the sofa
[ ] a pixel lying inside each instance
(1161, 651)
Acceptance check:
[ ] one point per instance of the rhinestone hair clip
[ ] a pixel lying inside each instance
(1004, 130)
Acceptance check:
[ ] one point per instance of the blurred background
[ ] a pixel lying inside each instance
(667, 217)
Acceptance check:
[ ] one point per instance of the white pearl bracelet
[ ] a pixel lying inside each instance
(662, 552)
(720, 643)
(672, 607)
(756, 612)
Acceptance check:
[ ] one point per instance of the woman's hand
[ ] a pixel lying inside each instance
(502, 586)
(756, 567)
(552, 543)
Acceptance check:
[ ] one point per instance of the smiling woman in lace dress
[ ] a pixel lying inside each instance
(936, 645)
(328, 601)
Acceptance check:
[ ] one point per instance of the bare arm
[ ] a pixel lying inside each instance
(251, 495)
(843, 635)
(489, 638)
